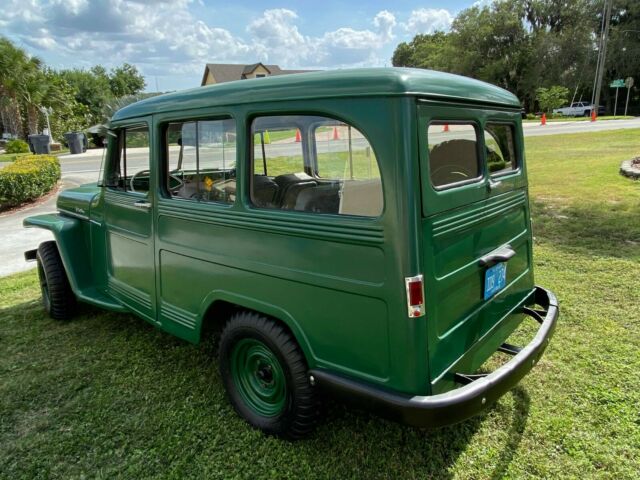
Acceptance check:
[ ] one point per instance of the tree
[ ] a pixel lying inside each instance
(126, 80)
(523, 45)
(550, 98)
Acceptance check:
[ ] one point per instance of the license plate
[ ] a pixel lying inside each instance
(495, 279)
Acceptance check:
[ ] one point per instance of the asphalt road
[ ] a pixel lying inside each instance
(88, 165)
(85, 168)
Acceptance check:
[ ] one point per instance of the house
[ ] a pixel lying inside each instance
(228, 72)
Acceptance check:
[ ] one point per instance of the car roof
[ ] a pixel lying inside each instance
(361, 82)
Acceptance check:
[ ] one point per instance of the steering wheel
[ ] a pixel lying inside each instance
(135, 176)
(450, 174)
(178, 181)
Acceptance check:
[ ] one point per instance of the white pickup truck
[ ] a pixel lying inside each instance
(578, 109)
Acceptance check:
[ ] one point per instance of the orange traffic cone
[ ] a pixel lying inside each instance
(593, 115)
(298, 137)
(335, 134)
(543, 120)
(446, 127)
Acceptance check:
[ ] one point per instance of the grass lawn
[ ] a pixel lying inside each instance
(580, 119)
(106, 395)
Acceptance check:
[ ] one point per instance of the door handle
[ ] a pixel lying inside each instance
(493, 184)
(501, 254)
(142, 204)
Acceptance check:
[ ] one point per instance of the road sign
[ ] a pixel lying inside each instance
(628, 82)
(617, 83)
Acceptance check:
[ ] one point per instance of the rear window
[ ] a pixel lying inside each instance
(500, 149)
(453, 154)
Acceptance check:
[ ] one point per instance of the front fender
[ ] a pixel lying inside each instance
(72, 237)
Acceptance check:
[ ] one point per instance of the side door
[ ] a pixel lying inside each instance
(129, 218)
(475, 216)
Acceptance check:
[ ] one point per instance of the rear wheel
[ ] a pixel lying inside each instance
(57, 297)
(265, 374)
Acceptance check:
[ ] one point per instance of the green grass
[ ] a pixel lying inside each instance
(580, 119)
(108, 396)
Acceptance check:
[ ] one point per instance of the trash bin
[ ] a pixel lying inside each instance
(39, 144)
(77, 142)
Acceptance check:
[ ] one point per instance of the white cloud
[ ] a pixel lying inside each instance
(429, 20)
(164, 37)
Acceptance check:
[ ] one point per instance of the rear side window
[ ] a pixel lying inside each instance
(314, 164)
(500, 149)
(453, 154)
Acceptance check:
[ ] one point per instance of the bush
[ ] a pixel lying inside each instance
(28, 178)
(17, 146)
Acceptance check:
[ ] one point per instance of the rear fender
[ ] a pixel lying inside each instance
(71, 235)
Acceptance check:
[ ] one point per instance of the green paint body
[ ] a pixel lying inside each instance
(336, 281)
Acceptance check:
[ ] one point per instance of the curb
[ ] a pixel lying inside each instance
(629, 170)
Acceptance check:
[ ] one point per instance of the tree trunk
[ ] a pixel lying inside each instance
(32, 119)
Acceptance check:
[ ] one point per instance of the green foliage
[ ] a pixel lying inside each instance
(522, 45)
(78, 98)
(28, 178)
(126, 80)
(553, 97)
(17, 146)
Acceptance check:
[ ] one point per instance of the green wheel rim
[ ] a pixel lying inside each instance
(258, 377)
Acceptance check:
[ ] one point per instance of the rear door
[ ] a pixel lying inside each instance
(475, 216)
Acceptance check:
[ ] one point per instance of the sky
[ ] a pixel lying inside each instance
(170, 41)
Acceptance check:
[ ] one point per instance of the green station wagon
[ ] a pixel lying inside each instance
(361, 232)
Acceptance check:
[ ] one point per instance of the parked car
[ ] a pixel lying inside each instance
(579, 109)
(362, 232)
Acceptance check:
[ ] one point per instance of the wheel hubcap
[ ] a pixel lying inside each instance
(258, 377)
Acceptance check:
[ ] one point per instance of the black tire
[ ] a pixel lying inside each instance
(300, 412)
(57, 297)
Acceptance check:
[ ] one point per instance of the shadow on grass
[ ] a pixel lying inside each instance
(596, 229)
(124, 369)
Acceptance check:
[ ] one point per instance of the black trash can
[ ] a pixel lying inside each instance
(39, 144)
(77, 142)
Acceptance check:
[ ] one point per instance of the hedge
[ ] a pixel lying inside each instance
(28, 178)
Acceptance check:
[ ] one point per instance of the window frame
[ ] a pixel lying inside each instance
(164, 161)
(516, 156)
(120, 132)
(311, 151)
(479, 153)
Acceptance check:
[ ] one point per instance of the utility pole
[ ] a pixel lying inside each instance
(602, 55)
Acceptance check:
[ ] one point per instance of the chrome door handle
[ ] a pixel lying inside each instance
(493, 184)
(142, 204)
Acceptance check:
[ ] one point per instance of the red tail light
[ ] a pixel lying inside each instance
(415, 296)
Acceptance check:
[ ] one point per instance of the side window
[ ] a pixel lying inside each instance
(314, 164)
(129, 169)
(453, 153)
(201, 160)
(500, 149)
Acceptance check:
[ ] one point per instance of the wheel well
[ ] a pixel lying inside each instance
(220, 311)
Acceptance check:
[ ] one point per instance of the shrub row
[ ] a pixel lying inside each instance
(28, 178)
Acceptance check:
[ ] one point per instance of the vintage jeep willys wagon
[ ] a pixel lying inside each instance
(365, 232)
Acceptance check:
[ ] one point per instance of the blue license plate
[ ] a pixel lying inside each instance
(495, 279)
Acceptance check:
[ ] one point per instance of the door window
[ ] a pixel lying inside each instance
(453, 154)
(201, 160)
(500, 149)
(129, 169)
(314, 164)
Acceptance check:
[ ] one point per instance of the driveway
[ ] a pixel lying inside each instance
(16, 239)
